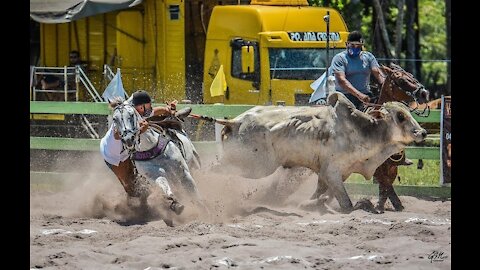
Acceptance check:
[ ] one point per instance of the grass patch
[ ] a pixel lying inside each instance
(429, 175)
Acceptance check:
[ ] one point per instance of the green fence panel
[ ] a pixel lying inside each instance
(441, 192)
(211, 110)
(54, 143)
(100, 108)
(413, 152)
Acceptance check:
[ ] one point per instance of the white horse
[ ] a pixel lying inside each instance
(162, 155)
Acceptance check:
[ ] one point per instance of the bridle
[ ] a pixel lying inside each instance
(392, 80)
(134, 122)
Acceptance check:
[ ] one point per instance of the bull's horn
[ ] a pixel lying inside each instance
(224, 122)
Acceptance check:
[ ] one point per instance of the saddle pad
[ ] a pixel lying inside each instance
(154, 152)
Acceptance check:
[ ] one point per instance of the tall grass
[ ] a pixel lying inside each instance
(429, 175)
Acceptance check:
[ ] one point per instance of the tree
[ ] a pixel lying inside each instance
(399, 28)
(382, 28)
(410, 35)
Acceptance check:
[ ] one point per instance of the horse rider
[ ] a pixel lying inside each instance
(119, 161)
(352, 69)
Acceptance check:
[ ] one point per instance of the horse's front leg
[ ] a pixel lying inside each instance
(177, 166)
(382, 196)
(385, 175)
(175, 205)
(189, 185)
(397, 204)
(157, 174)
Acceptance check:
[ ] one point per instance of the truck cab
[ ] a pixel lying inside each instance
(271, 50)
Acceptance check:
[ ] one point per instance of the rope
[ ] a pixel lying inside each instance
(402, 154)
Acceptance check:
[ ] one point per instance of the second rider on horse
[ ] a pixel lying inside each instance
(119, 161)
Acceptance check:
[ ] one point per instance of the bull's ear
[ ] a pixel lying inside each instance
(377, 114)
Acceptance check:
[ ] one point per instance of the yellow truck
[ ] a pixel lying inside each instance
(271, 50)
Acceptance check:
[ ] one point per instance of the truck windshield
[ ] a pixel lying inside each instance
(299, 64)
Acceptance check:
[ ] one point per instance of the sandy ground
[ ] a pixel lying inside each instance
(87, 224)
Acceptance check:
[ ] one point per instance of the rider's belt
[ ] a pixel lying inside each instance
(154, 152)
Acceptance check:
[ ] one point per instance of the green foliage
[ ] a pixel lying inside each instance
(433, 40)
(315, 3)
(432, 26)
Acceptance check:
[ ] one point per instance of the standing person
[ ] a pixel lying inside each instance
(76, 60)
(352, 69)
(111, 146)
(54, 82)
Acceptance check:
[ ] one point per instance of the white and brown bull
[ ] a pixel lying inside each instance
(334, 141)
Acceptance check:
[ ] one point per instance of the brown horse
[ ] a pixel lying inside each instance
(399, 85)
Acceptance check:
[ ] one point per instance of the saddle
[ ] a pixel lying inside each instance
(165, 124)
(155, 151)
(172, 121)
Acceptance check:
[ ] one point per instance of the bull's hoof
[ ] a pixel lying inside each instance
(365, 205)
(316, 205)
(309, 205)
(177, 207)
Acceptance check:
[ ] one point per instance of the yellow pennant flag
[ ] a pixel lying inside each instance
(219, 84)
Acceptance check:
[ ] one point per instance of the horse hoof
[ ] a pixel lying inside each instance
(365, 205)
(177, 207)
(380, 209)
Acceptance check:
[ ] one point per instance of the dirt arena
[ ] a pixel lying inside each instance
(85, 223)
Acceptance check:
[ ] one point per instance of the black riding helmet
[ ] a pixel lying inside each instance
(140, 97)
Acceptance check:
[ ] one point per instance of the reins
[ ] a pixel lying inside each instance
(394, 86)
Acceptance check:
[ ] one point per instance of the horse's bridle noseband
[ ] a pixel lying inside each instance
(420, 87)
(135, 131)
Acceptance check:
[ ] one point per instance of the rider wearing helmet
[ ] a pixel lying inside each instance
(119, 161)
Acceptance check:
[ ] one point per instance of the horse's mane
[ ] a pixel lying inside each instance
(115, 102)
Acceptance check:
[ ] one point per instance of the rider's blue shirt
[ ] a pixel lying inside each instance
(357, 70)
